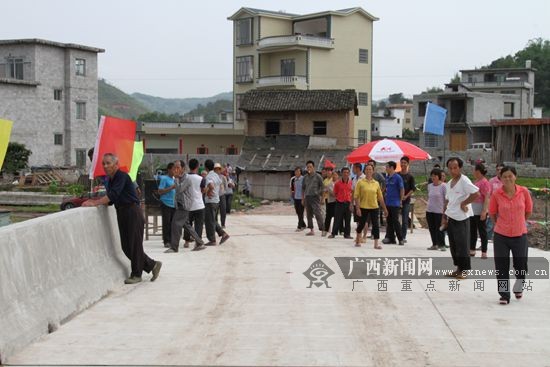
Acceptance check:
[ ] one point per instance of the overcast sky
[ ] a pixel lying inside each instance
(180, 49)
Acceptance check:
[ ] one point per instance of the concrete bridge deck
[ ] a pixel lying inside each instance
(246, 303)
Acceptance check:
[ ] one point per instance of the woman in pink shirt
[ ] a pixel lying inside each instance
(509, 208)
(480, 207)
(495, 185)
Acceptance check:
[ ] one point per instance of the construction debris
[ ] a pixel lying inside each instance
(38, 179)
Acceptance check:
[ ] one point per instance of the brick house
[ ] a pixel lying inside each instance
(326, 115)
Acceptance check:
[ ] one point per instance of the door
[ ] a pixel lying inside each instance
(458, 140)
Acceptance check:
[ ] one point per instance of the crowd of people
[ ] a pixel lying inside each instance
(492, 210)
(462, 210)
(192, 200)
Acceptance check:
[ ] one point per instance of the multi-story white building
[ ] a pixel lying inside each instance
(326, 50)
(385, 125)
(403, 113)
(49, 90)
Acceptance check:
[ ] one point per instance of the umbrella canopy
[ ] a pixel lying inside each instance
(386, 150)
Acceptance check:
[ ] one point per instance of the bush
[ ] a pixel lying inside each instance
(75, 189)
(17, 158)
(53, 188)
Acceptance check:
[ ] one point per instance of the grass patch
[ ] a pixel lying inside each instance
(236, 205)
(533, 182)
(50, 208)
(529, 182)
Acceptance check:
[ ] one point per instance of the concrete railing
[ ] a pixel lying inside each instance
(28, 198)
(53, 267)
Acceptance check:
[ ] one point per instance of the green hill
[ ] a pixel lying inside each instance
(116, 103)
(211, 109)
(177, 105)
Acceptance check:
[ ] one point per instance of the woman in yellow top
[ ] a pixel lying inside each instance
(368, 199)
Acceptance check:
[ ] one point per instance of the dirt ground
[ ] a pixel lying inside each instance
(536, 233)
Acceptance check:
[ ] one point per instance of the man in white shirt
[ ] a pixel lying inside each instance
(189, 206)
(212, 202)
(196, 213)
(461, 192)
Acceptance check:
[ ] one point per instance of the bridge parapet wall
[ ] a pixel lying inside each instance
(52, 268)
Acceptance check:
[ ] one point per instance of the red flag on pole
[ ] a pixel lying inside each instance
(114, 136)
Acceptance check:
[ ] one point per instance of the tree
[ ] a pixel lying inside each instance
(210, 111)
(17, 158)
(455, 79)
(396, 98)
(433, 90)
(538, 51)
(159, 117)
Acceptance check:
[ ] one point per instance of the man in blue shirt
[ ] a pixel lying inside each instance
(394, 196)
(409, 186)
(167, 192)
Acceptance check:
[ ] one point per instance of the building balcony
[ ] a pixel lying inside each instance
(282, 42)
(502, 84)
(294, 81)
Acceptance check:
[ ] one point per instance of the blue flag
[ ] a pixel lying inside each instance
(434, 121)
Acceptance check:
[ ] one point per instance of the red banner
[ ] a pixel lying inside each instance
(114, 136)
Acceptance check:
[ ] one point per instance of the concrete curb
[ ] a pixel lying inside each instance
(28, 198)
(53, 267)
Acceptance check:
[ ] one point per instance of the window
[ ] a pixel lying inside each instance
(363, 99)
(57, 93)
(232, 150)
(508, 109)
(239, 115)
(223, 116)
(80, 67)
(422, 108)
(272, 128)
(508, 92)
(202, 149)
(81, 158)
(287, 67)
(243, 31)
(81, 110)
(398, 121)
(431, 140)
(407, 121)
(15, 69)
(58, 139)
(362, 136)
(245, 69)
(363, 56)
(319, 128)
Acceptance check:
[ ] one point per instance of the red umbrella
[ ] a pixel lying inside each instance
(387, 150)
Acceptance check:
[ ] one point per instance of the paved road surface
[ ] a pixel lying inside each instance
(246, 303)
